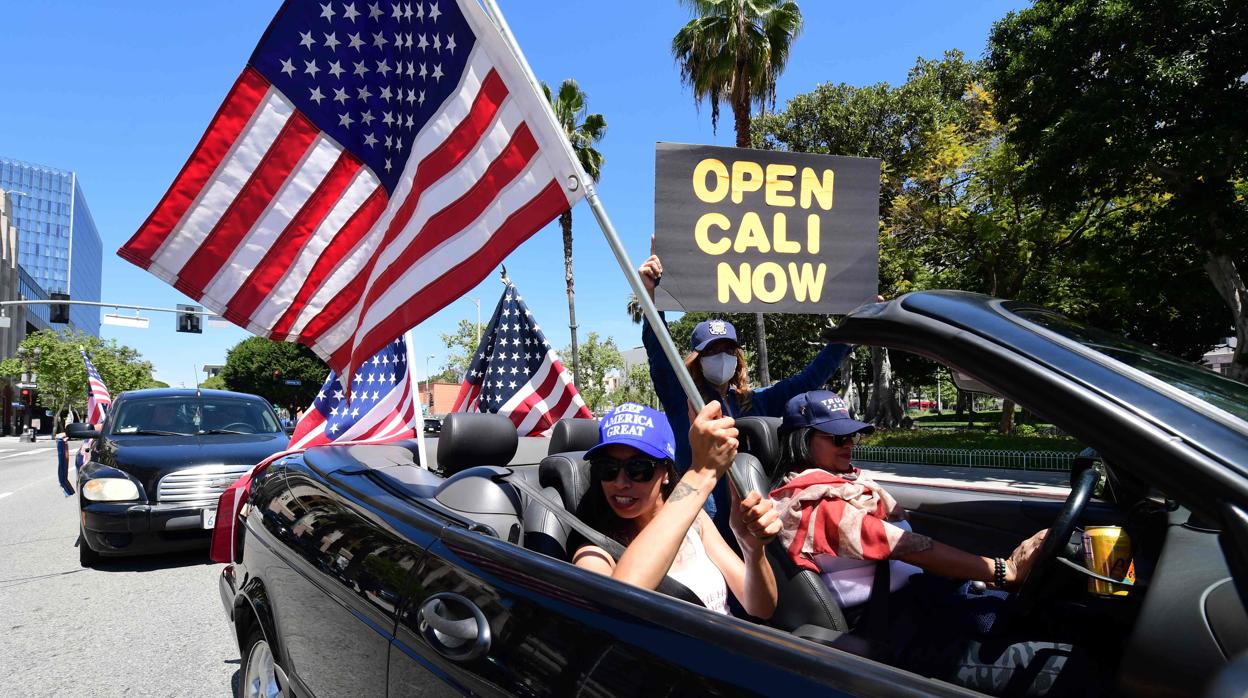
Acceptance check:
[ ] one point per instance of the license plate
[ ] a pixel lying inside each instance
(209, 517)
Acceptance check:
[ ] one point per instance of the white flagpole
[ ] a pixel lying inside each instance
(739, 479)
(604, 222)
(421, 453)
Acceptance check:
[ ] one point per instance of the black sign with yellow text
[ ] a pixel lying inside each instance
(765, 231)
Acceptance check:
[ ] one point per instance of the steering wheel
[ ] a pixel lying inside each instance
(1055, 540)
(240, 426)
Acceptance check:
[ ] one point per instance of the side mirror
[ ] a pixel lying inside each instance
(290, 430)
(80, 430)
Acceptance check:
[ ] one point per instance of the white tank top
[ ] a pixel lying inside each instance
(696, 570)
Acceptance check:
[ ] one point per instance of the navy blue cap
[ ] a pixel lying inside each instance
(712, 331)
(823, 410)
(644, 428)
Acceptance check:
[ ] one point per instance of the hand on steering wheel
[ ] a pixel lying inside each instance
(1055, 539)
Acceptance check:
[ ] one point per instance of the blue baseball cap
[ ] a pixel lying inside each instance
(823, 410)
(644, 428)
(712, 331)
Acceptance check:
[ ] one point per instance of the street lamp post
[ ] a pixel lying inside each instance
(429, 383)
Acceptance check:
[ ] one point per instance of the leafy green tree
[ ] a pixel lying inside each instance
(213, 383)
(636, 387)
(156, 384)
(62, 375)
(583, 131)
(263, 367)
(733, 51)
(461, 345)
(598, 358)
(1113, 99)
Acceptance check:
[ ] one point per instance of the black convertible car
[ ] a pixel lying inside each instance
(360, 572)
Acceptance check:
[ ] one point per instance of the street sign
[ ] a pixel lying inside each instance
(24, 384)
(293, 381)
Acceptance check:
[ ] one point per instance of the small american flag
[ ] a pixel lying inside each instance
(516, 374)
(98, 399)
(374, 161)
(382, 405)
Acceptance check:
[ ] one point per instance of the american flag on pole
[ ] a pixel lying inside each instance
(515, 373)
(373, 162)
(98, 399)
(383, 405)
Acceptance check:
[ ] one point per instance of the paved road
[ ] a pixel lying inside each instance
(134, 627)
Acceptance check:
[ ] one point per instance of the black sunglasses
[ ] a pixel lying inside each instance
(637, 469)
(839, 440)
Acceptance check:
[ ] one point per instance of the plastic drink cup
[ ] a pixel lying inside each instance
(1107, 551)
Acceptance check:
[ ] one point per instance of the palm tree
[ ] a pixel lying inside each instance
(569, 106)
(733, 51)
(634, 309)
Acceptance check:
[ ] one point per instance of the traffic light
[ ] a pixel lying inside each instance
(59, 312)
(25, 392)
(189, 319)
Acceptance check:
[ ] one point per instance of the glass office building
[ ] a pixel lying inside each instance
(58, 243)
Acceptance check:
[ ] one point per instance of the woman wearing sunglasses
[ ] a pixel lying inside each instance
(637, 498)
(839, 523)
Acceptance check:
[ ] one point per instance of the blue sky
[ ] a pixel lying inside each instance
(122, 91)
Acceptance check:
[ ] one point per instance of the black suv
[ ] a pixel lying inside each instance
(160, 462)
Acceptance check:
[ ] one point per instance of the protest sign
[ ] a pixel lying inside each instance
(765, 231)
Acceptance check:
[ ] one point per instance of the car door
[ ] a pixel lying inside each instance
(336, 589)
(514, 622)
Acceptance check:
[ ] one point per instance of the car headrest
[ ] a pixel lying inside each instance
(567, 473)
(755, 479)
(573, 434)
(469, 439)
(759, 437)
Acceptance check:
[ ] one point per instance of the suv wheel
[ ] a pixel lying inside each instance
(259, 675)
(86, 556)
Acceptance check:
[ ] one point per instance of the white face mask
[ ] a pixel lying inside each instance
(719, 368)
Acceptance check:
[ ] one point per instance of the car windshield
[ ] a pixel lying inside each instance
(192, 415)
(1201, 383)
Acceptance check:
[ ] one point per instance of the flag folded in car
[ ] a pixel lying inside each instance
(515, 373)
(368, 167)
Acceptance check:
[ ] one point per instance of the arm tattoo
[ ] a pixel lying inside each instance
(682, 490)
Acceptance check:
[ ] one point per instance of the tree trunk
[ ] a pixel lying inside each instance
(1007, 416)
(741, 120)
(848, 387)
(961, 405)
(565, 222)
(1230, 285)
(882, 408)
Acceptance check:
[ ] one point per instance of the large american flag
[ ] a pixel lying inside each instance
(515, 373)
(382, 405)
(373, 162)
(98, 399)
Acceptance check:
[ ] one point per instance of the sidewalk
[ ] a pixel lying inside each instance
(1034, 483)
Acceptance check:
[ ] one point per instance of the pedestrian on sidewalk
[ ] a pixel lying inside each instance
(62, 463)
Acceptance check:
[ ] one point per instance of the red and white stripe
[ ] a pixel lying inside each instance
(282, 231)
(546, 398)
(98, 401)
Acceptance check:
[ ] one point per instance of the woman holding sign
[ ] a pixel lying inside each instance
(718, 368)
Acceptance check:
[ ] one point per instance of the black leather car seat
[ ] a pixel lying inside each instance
(573, 435)
(469, 439)
(805, 607)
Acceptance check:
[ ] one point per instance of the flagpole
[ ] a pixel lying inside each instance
(739, 479)
(608, 230)
(421, 453)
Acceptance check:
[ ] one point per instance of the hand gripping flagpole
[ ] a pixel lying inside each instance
(613, 240)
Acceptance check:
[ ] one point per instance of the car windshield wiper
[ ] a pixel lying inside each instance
(224, 431)
(155, 432)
